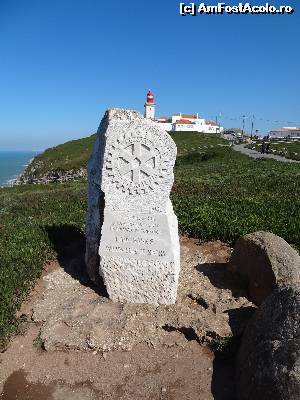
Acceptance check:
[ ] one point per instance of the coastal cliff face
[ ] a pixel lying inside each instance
(66, 162)
(32, 175)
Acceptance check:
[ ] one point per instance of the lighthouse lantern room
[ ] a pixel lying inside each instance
(150, 106)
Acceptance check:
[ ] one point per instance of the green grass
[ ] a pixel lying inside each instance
(218, 194)
(288, 149)
(199, 142)
(27, 215)
(226, 194)
(72, 155)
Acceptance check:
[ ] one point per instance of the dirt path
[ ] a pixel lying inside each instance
(174, 366)
(143, 373)
(255, 154)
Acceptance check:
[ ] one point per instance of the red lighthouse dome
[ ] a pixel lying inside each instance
(150, 97)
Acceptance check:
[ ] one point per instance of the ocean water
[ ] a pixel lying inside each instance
(12, 163)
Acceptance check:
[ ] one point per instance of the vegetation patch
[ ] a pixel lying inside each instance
(38, 342)
(229, 194)
(25, 212)
(70, 156)
(226, 347)
(218, 194)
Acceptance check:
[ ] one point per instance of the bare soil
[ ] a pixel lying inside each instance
(166, 353)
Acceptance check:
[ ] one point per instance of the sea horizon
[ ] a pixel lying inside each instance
(13, 163)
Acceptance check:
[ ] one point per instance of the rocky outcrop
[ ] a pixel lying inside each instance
(268, 365)
(31, 175)
(265, 261)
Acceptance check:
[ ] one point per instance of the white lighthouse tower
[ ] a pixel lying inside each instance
(150, 106)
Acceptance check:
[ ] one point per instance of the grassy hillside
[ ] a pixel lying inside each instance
(218, 194)
(224, 194)
(194, 142)
(70, 156)
(75, 154)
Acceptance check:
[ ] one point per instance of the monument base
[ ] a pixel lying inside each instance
(140, 257)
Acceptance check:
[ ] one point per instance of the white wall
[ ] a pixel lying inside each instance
(199, 125)
(197, 128)
(167, 126)
(149, 111)
(175, 118)
(183, 127)
(212, 129)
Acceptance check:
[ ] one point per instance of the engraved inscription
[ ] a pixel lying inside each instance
(136, 224)
(136, 236)
(136, 251)
(133, 240)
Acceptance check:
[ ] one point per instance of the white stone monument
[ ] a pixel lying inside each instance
(131, 168)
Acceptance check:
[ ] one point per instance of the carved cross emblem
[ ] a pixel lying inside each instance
(141, 160)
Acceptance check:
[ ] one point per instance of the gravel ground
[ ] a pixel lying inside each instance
(78, 344)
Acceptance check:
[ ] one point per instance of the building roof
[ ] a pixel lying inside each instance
(186, 115)
(211, 123)
(189, 116)
(184, 121)
(285, 129)
(163, 117)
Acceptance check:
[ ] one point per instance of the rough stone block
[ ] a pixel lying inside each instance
(131, 170)
(265, 261)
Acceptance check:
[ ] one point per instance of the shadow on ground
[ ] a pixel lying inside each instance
(239, 317)
(223, 384)
(223, 380)
(69, 242)
(222, 278)
(17, 387)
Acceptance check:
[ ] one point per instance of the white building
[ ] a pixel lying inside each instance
(165, 123)
(190, 117)
(183, 125)
(180, 122)
(187, 122)
(212, 127)
(286, 132)
(192, 122)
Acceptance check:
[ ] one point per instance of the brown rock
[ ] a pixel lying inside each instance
(268, 364)
(265, 261)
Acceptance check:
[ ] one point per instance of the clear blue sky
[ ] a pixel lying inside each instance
(63, 62)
